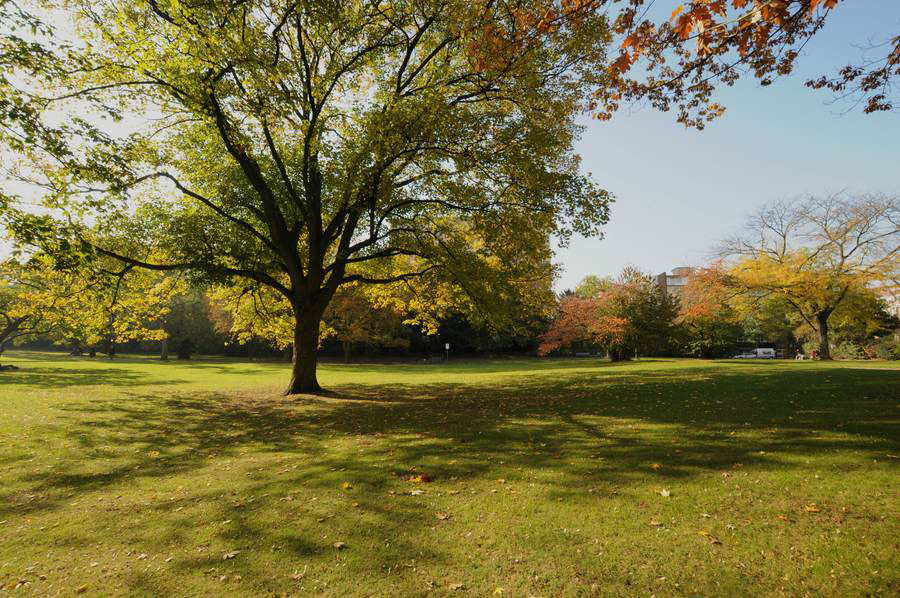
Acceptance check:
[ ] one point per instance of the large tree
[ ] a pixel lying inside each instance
(818, 253)
(304, 145)
(301, 146)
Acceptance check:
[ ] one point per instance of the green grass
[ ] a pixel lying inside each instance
(138, 477)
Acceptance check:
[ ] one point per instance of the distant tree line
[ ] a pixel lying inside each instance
(818, 274)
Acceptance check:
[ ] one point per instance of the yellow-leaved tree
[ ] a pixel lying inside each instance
(818, 254)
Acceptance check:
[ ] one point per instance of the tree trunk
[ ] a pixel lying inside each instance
(164, 353)
(619, 354)
(306, 350)
(346, 346)
(822, 321)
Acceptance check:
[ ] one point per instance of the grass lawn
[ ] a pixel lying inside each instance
(549, 478)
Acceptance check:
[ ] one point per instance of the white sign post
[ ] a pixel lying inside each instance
(446, 351)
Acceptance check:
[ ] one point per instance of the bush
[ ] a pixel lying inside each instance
(848, 350)
(886, 348)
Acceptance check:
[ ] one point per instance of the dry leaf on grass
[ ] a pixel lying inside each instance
(230, 555)
(455, 586)
(712, 539)
(442, 516)
(347, 486)
(656, 466)
(422, 478)
(811, 508)
(340, 545)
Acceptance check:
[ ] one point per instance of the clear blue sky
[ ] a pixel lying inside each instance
(679, 191)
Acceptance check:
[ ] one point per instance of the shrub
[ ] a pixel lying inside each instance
(885, 348)
(849, 350)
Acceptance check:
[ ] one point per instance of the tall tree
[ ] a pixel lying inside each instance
(305, 145)
(818, 253)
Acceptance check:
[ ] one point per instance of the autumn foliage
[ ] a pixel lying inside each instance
(581, 322)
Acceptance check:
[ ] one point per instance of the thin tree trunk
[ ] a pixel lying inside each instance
(824, 350)
(164, 353)
(306, 349)
(346, 345)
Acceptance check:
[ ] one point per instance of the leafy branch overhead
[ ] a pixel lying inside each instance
(677, 61)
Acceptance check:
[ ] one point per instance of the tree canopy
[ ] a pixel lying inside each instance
(303, 146)
(819, 253)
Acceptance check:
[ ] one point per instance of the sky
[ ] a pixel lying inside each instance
(679, 191)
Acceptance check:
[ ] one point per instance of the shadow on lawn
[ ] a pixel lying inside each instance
(50, 378)
(578, 425)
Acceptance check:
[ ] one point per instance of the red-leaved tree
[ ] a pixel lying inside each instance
(581, 322)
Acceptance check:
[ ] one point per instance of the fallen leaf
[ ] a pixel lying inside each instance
(347, 486)
(81, 589)
(665, 493)
(498, 591)
(455, 586)
(712, 539)
(656, 523)
(417, 492)
(340, 545)
(422, 478)
(442, 516)
(655, 466)
(501, 481)
(230, 555)
(811, 508)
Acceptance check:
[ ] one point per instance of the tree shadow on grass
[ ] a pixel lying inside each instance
(50, 378)
(596, 428)
(696, 407)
